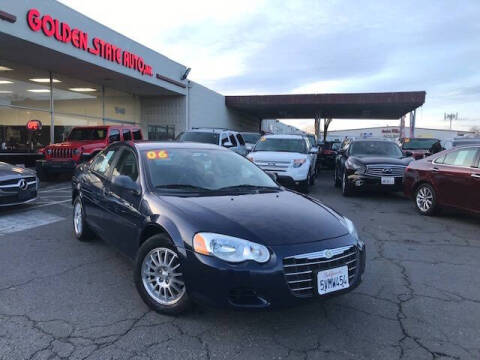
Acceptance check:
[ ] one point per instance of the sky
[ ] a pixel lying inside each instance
(322, 46)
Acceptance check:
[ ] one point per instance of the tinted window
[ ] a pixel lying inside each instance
(418, 144)
(251, 138)
(126, 165)
(137, 134)
(240, 139)
(233, 140)
(208, 169)
(283, 145)
(88, 134)
(126, 135)
(114, 135)
(200, 137)
(103, 161)
(375, 148)
(463, 157)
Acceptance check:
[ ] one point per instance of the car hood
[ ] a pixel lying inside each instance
(372, 160)
(8, 171)
(277, 218)
(74, 144)
(276, 156)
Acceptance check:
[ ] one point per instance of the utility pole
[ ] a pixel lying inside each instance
(450, 117)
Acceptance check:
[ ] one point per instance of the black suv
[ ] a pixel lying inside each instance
(368, 164)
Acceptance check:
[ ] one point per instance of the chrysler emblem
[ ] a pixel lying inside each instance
(22, 184)
(328, 253)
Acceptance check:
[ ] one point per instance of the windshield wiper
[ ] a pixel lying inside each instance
(247, 187)
(182, 186)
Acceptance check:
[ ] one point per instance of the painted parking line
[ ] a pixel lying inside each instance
(26, 220)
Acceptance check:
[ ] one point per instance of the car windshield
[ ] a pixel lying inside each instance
(281, 144)
(376, 148)
(199, 137)
(204, 171)
(87, 134)
(418, 144)
(251, 138)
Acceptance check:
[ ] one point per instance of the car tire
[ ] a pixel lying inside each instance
(426, 200)
(153, 276)
(346, 187)
(81, 230)
(304, 185)
(336, 180)
(312, 179)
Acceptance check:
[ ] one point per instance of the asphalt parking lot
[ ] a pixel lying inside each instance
(420, 298)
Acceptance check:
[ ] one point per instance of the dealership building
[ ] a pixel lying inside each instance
(64, 69)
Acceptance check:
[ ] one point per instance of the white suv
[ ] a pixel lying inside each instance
(222, 137)
(290, 157)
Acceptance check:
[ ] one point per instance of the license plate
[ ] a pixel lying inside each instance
(388, 180)
(332, 280)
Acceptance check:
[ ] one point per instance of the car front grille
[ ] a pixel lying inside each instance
(385, 170)
(300, 270)
(13, 184)
(61, 153)
(273, 165)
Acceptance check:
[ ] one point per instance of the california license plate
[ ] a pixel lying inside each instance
(332, 280)
(388, 180)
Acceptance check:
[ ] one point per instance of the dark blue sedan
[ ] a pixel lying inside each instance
(206, 225)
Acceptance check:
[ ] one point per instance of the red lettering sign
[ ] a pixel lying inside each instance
(34, 125)
(62, 32)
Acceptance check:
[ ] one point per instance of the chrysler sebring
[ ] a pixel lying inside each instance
(206, 225)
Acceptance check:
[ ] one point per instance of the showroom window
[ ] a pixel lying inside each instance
(31, 94)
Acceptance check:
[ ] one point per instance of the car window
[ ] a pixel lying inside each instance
(462, 157)
(114, 135)
(126, 165)
(298, 145)
(375, 148)
(126, 135)
(233, 140)
(200, 137)
(103, 161)
(137, 134)
(224, 139)
(240, 139)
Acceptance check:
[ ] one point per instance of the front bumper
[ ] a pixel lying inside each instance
(58, 165)
(16, 196)
(290, 175)
(258, 286)
(372, 183)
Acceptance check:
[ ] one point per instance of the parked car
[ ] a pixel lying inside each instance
(312, 144)
(251, 139)
(448, 179)
(81, 145)
(206, 225)
(17, 185)
(370, 164)
(222, 137)
(418, 148)
(327, 154)
(287, 156)
(466, 141)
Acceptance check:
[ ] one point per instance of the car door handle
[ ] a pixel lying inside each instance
(475, 176)
(436, 169)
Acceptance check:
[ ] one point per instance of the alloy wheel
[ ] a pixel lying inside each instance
(161, 276)
(424, 199)
(77, 218)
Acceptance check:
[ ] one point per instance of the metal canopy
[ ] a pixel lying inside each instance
(388, 105)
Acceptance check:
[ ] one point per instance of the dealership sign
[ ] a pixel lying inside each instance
(62, 32)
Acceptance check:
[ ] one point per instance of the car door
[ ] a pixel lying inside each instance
(93, 186)
(123, 205)
(474, 187)
(241, 145)
(451, 176)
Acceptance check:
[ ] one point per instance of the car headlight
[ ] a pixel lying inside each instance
(298, 162)
(353, 230)
(49, 151)
(229, 248)
(359, 168)
(76, 151)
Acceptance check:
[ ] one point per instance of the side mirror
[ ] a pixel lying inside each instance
(273, 175)
(228, 144)
(126, 183)
(314, 150)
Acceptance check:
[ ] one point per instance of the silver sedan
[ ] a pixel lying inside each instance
(17, 185)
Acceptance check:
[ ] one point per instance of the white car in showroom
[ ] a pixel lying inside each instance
(290, 157)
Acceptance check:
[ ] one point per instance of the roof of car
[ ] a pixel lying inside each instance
(151, 145)
(283, 136)
(209, 130)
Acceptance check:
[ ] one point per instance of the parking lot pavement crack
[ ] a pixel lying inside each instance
(61, 273)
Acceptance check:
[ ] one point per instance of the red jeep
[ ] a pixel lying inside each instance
(81, 145)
